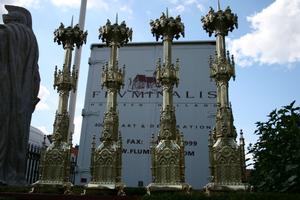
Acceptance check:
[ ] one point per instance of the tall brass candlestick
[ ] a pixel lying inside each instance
(106, 159)
(167, 151)
(227, 158)
(55, 161)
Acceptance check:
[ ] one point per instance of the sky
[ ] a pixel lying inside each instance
(265, 45)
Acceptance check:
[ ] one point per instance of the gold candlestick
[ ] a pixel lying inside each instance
(106, 159)
(167, 151)
(55, 161)
(227, 159)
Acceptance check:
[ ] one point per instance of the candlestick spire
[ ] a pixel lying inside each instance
(226, 161)
(72, 21)
(106, 159)
(167, 151)
(55, 161)
(167, 12)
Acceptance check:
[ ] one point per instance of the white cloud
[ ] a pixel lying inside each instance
(43, 95)
(76, 135)
(275, 36)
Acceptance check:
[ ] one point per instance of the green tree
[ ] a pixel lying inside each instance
(276, 154)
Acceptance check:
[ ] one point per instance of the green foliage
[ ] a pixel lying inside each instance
(276, 154)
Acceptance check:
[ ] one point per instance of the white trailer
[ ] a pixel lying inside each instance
(139, 109)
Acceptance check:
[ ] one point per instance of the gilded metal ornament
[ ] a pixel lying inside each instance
(112, 34)
(55, 161)
(227, 158)
(106, 159)
(167, 151)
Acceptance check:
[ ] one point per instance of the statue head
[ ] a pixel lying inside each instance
(17, 14)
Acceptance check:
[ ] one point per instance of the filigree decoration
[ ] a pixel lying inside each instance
(168, 124)
(167, 75)
(228, 166)
(112, 77)
(70, 36)
(115, 33)
(106, 164)
(222, 68)
(55, 166)
(167, 26)
(224, 154)
(106, 160)
(167, 169)
(65, 80)
(61, 126)
(167, 152)
(55, 163)
(220, 22)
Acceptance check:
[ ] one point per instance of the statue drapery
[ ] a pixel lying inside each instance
(19, 78)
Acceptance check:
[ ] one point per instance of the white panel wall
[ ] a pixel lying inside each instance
(139, 109)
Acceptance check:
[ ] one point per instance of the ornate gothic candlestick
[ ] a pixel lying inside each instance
(55, 162)
(168, 150)
(226, 156)
(106, 159)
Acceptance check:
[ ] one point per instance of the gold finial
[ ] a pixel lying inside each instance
(241, 133)
(94, 141)
(167, 12)
(72, 21)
